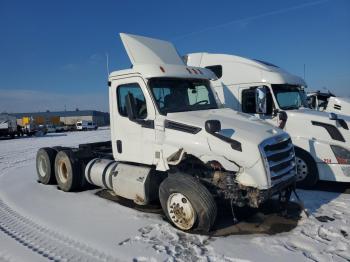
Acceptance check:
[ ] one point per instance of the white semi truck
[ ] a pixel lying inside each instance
(322, 140)
(8, 125)
(173, 142)
(328, 102)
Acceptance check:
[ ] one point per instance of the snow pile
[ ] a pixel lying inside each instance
(322, 237)
(177, 245)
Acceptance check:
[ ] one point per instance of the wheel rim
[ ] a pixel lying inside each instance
(42, 166)
(62, 172)
(302, 169)
(180, 211)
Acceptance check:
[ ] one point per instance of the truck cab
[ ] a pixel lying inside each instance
(328, 102)
(270, 93)
(173, 141)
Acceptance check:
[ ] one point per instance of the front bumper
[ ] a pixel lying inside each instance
(254, 197)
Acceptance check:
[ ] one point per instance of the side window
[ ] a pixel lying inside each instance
(248, 101)
(140, 101)
(217, 70)
(198, 94)
(312, 101)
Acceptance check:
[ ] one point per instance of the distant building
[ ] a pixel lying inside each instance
(65, 117)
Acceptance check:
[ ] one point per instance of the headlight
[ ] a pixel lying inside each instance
(341, 154)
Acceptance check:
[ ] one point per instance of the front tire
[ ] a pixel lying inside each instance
(307, 173)
(187, 204)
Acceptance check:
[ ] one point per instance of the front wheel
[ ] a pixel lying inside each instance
(307, 174)
(187, 203)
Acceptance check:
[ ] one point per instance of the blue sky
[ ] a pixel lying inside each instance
(52, 53)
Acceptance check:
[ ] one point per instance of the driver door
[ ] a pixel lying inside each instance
(132, 141)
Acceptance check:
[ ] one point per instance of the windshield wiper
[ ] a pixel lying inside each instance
(290, 107)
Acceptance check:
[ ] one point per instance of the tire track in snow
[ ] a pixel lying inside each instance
(46, 242)
(11, 160)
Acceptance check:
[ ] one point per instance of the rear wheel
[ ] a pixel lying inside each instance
(187, 203)
(67, 171)
(307, 174)
(45, 160)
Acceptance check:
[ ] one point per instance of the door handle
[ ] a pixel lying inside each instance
(119, 146)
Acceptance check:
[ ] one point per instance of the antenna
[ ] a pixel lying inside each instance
(107, 64)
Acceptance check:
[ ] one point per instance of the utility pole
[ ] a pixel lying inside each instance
(107, 64)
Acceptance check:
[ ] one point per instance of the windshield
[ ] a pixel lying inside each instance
(180, 95)
(289, 96)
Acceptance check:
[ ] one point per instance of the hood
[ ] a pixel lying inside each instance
(311, 120)
(235, 125)
(339, 105)
(248, 130)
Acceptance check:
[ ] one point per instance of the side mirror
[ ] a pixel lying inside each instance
(212, 126)
(341, 122)
(130, 107)
(333, 116)
(260, 100)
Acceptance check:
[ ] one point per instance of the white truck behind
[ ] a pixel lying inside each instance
(173, 142)
(85, 125)
(328, 102)
(8, 125)
(262, 89)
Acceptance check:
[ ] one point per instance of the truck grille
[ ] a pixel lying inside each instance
(279, 157)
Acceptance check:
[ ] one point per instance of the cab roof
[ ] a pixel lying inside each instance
(237, 69)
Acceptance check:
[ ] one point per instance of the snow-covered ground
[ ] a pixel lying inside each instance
(39, 222)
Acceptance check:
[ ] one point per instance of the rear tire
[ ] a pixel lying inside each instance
(45, 160)
(67, 171)
(307, 173)
(187, 204)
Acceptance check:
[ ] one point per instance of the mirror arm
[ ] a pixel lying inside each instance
(283, 117)
(145, 123)
(275, 112)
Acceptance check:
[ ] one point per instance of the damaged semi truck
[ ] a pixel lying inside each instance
(173, 142)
